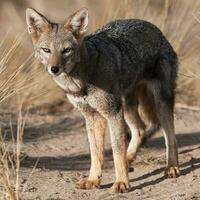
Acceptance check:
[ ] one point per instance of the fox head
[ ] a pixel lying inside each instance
(57, 46)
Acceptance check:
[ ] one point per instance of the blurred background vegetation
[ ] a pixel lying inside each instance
(21, 75)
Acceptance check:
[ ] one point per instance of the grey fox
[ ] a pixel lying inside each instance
(108, 75)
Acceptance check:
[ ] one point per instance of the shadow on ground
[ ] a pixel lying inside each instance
(68, 163)
(185, 168)
(45, 130)
(183, 139)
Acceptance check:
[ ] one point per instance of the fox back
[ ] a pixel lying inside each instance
(126, 52)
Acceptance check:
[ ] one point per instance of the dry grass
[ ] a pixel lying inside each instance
(10, 162)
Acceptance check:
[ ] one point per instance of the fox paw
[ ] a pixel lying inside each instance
(120, 187)
(88, 184)
(172, 172)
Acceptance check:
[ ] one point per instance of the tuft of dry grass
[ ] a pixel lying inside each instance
(10, 157)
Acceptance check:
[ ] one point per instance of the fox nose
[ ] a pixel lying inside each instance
(55, 69)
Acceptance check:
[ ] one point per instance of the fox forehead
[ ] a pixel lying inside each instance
(57, 37)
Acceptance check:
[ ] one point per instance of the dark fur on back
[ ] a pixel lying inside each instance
(130, 51)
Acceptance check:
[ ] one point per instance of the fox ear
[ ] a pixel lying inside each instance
(37, 23)
(78, 22)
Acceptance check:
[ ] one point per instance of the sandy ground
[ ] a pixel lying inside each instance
(58, 147)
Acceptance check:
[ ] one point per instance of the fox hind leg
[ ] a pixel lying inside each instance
(166, 120)
(135, 124)
(164, 105)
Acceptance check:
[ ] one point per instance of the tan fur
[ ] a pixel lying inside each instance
(95, 125)
(54, 59)
(88, 184)
(119, 147)
(34, 37)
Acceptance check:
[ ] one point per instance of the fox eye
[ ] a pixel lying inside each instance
(46, 50)
(67, 50)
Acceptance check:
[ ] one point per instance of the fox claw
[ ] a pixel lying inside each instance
(88, 184)
(172, 172)
(120, 187)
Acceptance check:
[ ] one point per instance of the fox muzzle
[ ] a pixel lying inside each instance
(55, 70)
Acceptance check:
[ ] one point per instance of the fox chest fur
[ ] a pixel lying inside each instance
(87, 97)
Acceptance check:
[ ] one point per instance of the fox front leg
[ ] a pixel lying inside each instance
(118, 139)
(95, 125)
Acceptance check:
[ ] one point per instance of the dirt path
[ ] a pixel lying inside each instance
(59, 145)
